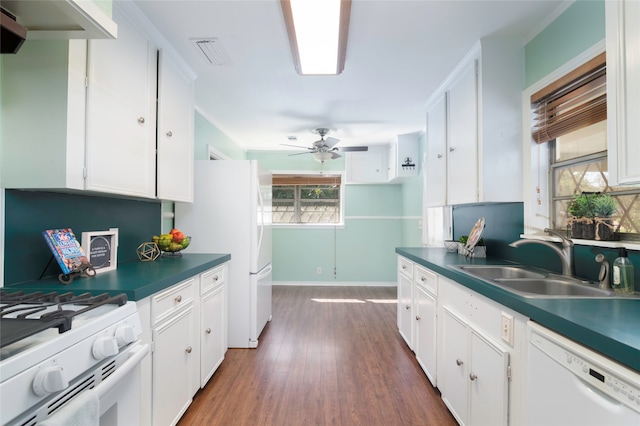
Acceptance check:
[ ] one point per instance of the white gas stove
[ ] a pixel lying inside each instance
(55, 347)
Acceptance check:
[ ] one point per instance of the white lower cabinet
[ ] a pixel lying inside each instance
(405, 300)
(469, 346)
(474, 380)
(425, 342)
(173, 360)
(213, 322)
(425, 309)
(186, 326)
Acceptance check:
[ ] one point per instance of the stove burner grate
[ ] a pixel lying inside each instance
(17, 311)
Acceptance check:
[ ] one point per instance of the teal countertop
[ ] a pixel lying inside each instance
(135, 279)
(608, 326)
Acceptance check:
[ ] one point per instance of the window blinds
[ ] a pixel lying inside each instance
(577, 100)
(305, 179)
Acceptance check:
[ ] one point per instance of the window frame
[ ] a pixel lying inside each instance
(536, 167)
(336, 225)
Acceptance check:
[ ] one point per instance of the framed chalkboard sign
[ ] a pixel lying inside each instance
(101, 247)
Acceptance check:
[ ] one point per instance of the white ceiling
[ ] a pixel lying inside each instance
(398, 53)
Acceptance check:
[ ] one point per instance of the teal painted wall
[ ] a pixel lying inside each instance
(206, 133)
(363, 250)
(581, 26)
(28, 213)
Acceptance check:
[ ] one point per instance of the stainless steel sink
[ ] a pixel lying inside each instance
(536, 283)
(552, 287)
(492, 272)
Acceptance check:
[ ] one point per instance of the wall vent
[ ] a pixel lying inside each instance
(211, 50)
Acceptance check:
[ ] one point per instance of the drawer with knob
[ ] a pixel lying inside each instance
(173, 299)
(405, 267)
(212, 278)
(427, 279)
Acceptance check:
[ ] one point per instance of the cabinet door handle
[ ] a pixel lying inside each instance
(169, 133)
(459, 362)
(188, 350)
(404, 267)
(215, 278)
(417, 317)
(141, 120)
(208, 331)
(439, 155)
(407, 307)
(451, 149)
(423, 279)
(178, 299)
(472, 377)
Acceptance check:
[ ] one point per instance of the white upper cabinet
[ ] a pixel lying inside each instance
(435, 173)
(68, 19)
(175, 132)
(367, 167)
(462, 142)
(623, 91)
(43, 115)
(403, 157)
(121, 113)
(83, 115)
(473, 129)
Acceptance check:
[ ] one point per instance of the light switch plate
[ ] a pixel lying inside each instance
(507, 328)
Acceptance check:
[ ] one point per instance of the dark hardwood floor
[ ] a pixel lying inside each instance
(330, 356)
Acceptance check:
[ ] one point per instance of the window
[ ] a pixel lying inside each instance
(570, 115)
(307, 199)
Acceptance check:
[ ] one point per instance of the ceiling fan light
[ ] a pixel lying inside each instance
(317, 31)
(321, 157)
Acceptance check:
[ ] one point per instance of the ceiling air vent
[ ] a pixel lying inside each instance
(212, 51)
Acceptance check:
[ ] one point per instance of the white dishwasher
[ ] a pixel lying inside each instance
(569, 384)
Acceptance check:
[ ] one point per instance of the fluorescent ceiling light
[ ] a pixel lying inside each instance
(317, 32)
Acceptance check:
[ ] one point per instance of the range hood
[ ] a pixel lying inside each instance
(12, 34)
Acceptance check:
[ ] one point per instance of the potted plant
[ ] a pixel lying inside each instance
(604, 206)
(581, 214)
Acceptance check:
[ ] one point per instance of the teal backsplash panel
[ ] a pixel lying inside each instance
(504, 222)
(28, 213)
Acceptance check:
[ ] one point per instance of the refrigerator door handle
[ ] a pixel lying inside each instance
(263, 272)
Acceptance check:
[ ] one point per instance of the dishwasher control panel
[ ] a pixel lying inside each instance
(609, 377)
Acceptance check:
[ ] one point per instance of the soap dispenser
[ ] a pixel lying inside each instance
(623, 280)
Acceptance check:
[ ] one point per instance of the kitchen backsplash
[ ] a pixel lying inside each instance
(28, 213)
(505, 224)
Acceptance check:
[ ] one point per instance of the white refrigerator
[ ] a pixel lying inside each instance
(231, 213)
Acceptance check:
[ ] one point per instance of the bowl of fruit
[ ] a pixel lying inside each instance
(173, 243)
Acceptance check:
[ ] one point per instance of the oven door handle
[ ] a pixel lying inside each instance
(135, 357)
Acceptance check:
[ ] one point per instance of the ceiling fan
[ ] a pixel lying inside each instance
(325, 148)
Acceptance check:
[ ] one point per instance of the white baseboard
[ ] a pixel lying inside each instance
(338, 283)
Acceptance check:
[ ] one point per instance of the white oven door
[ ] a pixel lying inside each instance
(108, 394)
(119, 395)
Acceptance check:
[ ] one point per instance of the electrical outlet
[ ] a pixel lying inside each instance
(507, 328)
(318, 270)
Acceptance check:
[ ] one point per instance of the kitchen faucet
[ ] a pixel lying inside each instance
(566, 254)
